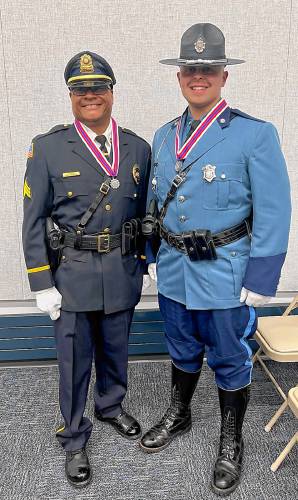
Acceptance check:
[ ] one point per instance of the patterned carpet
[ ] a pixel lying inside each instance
(32, 463)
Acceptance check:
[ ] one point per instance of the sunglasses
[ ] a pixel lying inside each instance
(81, 91)
(202, 69)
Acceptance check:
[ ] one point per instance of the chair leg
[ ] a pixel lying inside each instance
(284, 453)
(257, 355)
(273, 380)
(276, 416)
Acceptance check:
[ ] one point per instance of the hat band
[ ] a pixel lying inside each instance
(205, 61)
(88, 77)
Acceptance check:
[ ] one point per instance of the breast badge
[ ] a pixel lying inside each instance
(136, 174)
(209, 172)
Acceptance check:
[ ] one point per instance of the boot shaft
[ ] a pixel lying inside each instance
(183, 385)
(233, 405)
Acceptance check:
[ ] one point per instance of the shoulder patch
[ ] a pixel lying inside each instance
(235, 111)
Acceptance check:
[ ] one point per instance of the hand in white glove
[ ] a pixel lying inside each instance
(252, 298)
(146, 282)
(49, 301)
(152, 272)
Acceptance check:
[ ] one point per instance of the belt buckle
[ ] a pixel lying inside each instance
(104, 188)
(103, 243)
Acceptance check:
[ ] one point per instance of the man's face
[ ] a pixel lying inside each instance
(91, 108)
(201, 85)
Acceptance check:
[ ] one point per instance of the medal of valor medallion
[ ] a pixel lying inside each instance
(136, 173)
(178, 166)
(209, 172)
(114, 183)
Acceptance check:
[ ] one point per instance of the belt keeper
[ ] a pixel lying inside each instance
(78, 239)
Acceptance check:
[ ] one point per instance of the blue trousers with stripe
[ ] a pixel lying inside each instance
(222, 333)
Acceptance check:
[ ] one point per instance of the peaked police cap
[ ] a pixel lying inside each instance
(88, 68)
(202, 43)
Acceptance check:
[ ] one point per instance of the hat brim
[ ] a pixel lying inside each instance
(104, 84)
(201, 62)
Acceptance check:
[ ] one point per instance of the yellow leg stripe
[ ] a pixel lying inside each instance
(60, 429)
(38, 269)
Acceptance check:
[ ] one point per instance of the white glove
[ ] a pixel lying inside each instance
(252, 298)
(146, 282)
(152, 272)
(49, 301)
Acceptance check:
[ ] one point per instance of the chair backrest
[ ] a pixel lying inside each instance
(291, 307)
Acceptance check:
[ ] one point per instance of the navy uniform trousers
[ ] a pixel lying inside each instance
(80, 336)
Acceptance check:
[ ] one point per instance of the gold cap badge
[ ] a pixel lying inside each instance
(200, 45)
(86, 64)
(136, 174)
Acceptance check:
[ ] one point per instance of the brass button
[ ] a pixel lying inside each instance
(69, 194)
(181, 198)
(182, 218)
(135, 195)
(108, 207)
(223, 176)
(63, 257)
(106, 230)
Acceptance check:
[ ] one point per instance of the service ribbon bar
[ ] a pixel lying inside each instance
(111, 170)
(182, 153)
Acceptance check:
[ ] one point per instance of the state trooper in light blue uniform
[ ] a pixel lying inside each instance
(236, 186)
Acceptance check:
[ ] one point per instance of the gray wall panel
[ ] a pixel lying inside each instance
(10, 255)
(289, 279)
(39, 37)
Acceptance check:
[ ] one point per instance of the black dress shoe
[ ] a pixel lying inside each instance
(77, 468)
(126, 425)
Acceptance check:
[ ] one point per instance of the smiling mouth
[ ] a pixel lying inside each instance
(198, 88)
(91, 106)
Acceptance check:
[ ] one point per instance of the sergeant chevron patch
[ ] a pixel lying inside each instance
(26, 190)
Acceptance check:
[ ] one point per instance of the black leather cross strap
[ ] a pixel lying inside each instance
(102, 243)
(200, 244)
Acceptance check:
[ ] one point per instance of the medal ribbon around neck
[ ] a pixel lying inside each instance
(182, 153)
(111, 170)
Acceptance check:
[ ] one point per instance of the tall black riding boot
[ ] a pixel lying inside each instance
(227, 470)
(177, 418)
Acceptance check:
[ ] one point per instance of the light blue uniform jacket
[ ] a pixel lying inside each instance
(251, 176)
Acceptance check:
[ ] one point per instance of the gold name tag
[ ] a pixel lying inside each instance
(70, 174)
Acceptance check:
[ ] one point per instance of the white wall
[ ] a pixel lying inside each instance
(38, 37)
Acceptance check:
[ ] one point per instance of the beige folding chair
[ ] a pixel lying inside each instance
(292, 402)
(277, 337)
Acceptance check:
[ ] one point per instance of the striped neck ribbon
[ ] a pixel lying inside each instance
(181, 153)
(110, 169)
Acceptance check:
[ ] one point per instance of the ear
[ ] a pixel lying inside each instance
(178, 76)
(224, 78)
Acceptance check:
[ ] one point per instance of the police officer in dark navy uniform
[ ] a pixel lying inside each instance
(221, 185)
(84, 195)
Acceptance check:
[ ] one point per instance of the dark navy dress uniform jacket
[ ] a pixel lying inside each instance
(62, 180)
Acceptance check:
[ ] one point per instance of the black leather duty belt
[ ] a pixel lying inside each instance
(101, 243)
(200, 244)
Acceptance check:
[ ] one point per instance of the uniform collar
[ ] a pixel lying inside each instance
(107, 133)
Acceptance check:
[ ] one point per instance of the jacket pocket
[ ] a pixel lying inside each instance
(225, 192)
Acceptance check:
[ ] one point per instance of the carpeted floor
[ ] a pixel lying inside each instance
(32, 463)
